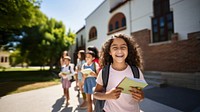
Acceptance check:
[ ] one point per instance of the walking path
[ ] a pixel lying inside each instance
(51, 99)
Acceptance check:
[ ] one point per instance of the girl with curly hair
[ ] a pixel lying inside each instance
(119, 52)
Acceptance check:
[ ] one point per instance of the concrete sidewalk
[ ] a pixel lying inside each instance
(50, 99)
(183, 99)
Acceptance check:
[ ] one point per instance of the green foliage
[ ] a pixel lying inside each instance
(43, 39)
(16, 58)
(18, 13)
(45, 45)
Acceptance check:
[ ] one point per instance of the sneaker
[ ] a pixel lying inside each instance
(78, 95)
(82, 107)
(76, 88)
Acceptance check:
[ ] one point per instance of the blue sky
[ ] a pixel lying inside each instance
(71, 12)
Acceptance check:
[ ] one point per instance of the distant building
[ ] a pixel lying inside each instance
(168, 31)
(79, 44)
(4, 59)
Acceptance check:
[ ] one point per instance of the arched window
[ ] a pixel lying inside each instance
(93, 33)
(117, 23)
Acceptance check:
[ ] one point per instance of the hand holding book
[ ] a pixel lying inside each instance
(128, 83)
(87, 71)
(64, 74)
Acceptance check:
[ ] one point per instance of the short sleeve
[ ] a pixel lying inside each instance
(99, 78)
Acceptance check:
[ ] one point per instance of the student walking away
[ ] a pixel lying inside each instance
(80, 62)
(119, 54)
(66, 73)
(62, 63)
(89, 77)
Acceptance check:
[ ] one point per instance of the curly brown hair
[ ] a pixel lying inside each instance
(134, 52)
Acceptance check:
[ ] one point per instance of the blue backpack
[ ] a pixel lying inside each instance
(99, 104)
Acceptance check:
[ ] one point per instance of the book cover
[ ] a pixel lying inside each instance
(65, 73)
(127, 82)
(86, 71)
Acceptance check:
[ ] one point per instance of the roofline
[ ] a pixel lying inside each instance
(80, 29)
(95, 9)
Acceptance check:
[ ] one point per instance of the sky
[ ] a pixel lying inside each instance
(71, 12)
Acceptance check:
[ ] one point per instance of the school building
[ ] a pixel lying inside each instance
(168, 31)
(4, 59)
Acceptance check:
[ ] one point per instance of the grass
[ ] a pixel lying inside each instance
(20, 80)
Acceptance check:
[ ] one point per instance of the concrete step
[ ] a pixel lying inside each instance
(155, 79)
(160, 83)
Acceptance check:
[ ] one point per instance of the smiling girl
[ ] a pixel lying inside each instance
(120, 52)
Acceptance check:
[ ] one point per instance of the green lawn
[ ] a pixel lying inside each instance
(16, 80)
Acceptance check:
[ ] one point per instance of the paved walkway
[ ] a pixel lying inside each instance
(50, 99)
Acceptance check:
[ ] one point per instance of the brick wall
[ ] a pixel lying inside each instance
(174, 56)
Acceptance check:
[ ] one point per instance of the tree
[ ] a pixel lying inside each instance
(16, 14)
(45, 45)
(55, 40)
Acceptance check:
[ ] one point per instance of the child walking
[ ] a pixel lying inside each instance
(81, 61)
(62, 63)
(66, 72)
(90, 80)
(119, 52)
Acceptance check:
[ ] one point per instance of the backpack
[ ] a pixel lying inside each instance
(99, 104)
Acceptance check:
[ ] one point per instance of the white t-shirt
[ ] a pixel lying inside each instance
(125, 103)
(67, 69)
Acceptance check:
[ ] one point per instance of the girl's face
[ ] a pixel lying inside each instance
(119, 50)
(89, 58)
(66, 61)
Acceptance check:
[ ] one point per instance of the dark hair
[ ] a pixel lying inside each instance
(95, 50)
(91, 53)
(82, 53)
(63, 54)
(134, 52)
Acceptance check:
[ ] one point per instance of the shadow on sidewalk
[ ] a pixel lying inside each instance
(67, 109)
(58, 104)
(183, 99)
(77, 109)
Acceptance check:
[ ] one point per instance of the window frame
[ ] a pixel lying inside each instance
(162, 25)
(92, 34)
(117, 23)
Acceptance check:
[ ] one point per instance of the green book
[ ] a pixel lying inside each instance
(86, 71)
(65, 73)
(127, 82)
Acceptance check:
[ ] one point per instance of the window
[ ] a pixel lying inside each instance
(6, 59)
(162, 22)
(110, 27)
(123, 21)
(77, 43)
(82, 43)
(2, 60)
(117, 23)
(93, 33)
